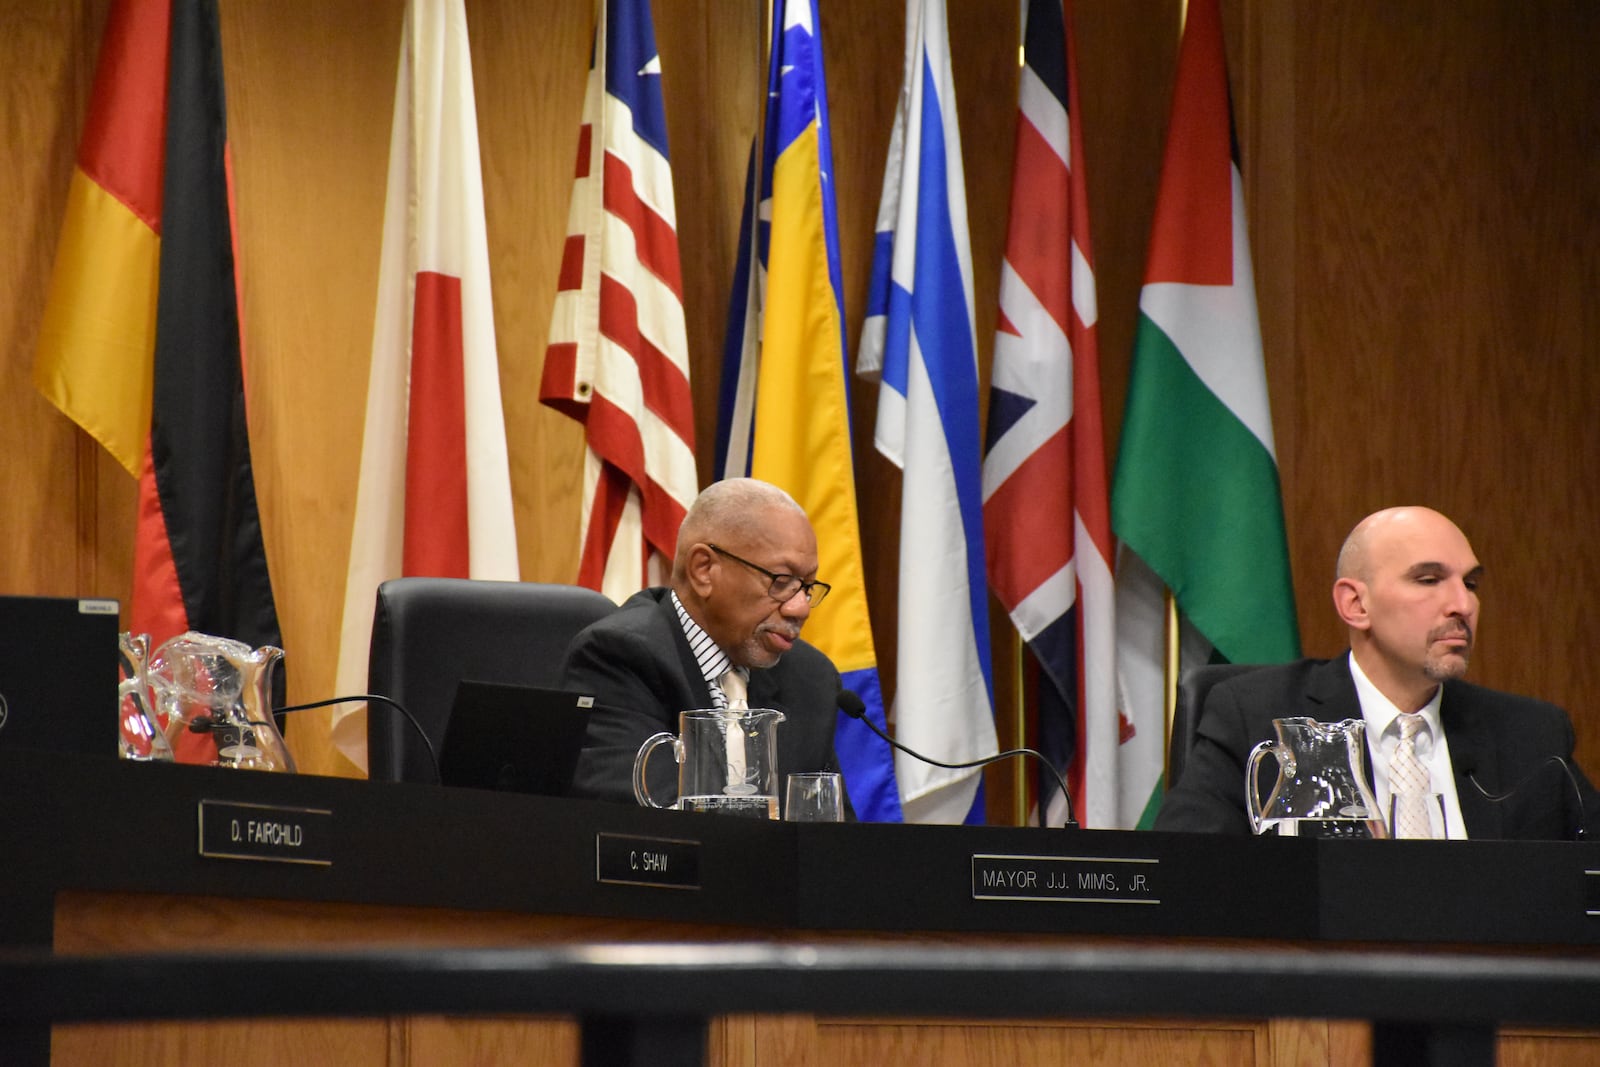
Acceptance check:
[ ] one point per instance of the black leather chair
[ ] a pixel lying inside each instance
(429, 633)
(1193, 686)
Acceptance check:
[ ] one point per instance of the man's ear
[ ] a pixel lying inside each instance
(701, 563)
(1350, 601)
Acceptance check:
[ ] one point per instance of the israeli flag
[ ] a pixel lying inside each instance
(919, 339)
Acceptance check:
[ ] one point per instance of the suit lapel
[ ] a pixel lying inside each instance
(1331, 692)
(697, 691)
(1472, 753)
(763, 687)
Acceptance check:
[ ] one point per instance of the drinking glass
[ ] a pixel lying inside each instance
(1428, 809)
(814, 797)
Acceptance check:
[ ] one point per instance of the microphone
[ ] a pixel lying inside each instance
(852, 705)
(202, 724)
(1469, 771)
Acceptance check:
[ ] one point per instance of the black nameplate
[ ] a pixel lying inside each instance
(267, 832)
(663, 862)
(1591, 893)
(1064, 879)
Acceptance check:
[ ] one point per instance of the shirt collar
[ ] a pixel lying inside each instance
(713, 662)
(1380, 712)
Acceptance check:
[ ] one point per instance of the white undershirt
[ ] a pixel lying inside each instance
(1433, 749)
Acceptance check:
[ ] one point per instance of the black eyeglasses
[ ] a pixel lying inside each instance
(784, 586)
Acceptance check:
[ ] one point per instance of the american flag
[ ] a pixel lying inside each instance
(1044, 476)
(618, 359)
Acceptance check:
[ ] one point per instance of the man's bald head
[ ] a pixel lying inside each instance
(734, 510)
(1378, 531)
(1407, 591)
(739, 538)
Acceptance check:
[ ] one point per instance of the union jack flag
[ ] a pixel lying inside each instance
(1044, 476)
(618, 358)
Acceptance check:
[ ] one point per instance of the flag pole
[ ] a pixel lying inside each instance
(1169, 672)
(1019, 784)
(758, 150)
(1169, 669)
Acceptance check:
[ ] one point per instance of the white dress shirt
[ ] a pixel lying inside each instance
(714, 662)
(1383, 734)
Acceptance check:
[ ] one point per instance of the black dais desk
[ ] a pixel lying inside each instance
(832, 920)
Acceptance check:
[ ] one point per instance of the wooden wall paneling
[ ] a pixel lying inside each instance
(862, 1043)
(105, 518)
(1421, 191)
(782, 1041)
(530, 76)
(484, 1041)
(1263, 73)
(1127, 56)
(734, 1040)
(1533, 364)
(1528, 1047)
(1376, 176)
(1445, 341)
(49, 478)
(713, 78)
(259, 1043)
(864, 47)
(1293, 1043)
(762, 1041)
(1349, 1043)
(311, 91)
(99, 922)
(985, 60)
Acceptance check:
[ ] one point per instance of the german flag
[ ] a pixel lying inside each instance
(140, 342)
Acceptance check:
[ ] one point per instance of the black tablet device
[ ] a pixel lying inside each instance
(58, 673)
(516, 738)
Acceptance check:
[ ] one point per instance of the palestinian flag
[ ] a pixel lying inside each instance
(1196, 502)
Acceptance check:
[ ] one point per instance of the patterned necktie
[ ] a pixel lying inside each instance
(1409, 778)
(738, 697)
(734, 690)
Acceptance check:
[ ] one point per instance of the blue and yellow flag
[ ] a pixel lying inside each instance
(785, 412)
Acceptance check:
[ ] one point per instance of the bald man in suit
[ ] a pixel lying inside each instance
(1407, 591)
(743, 583)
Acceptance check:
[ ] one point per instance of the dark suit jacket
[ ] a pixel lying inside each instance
(1503, 741)
(637, 664)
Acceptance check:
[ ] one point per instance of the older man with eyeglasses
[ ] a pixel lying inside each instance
(725, 631)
